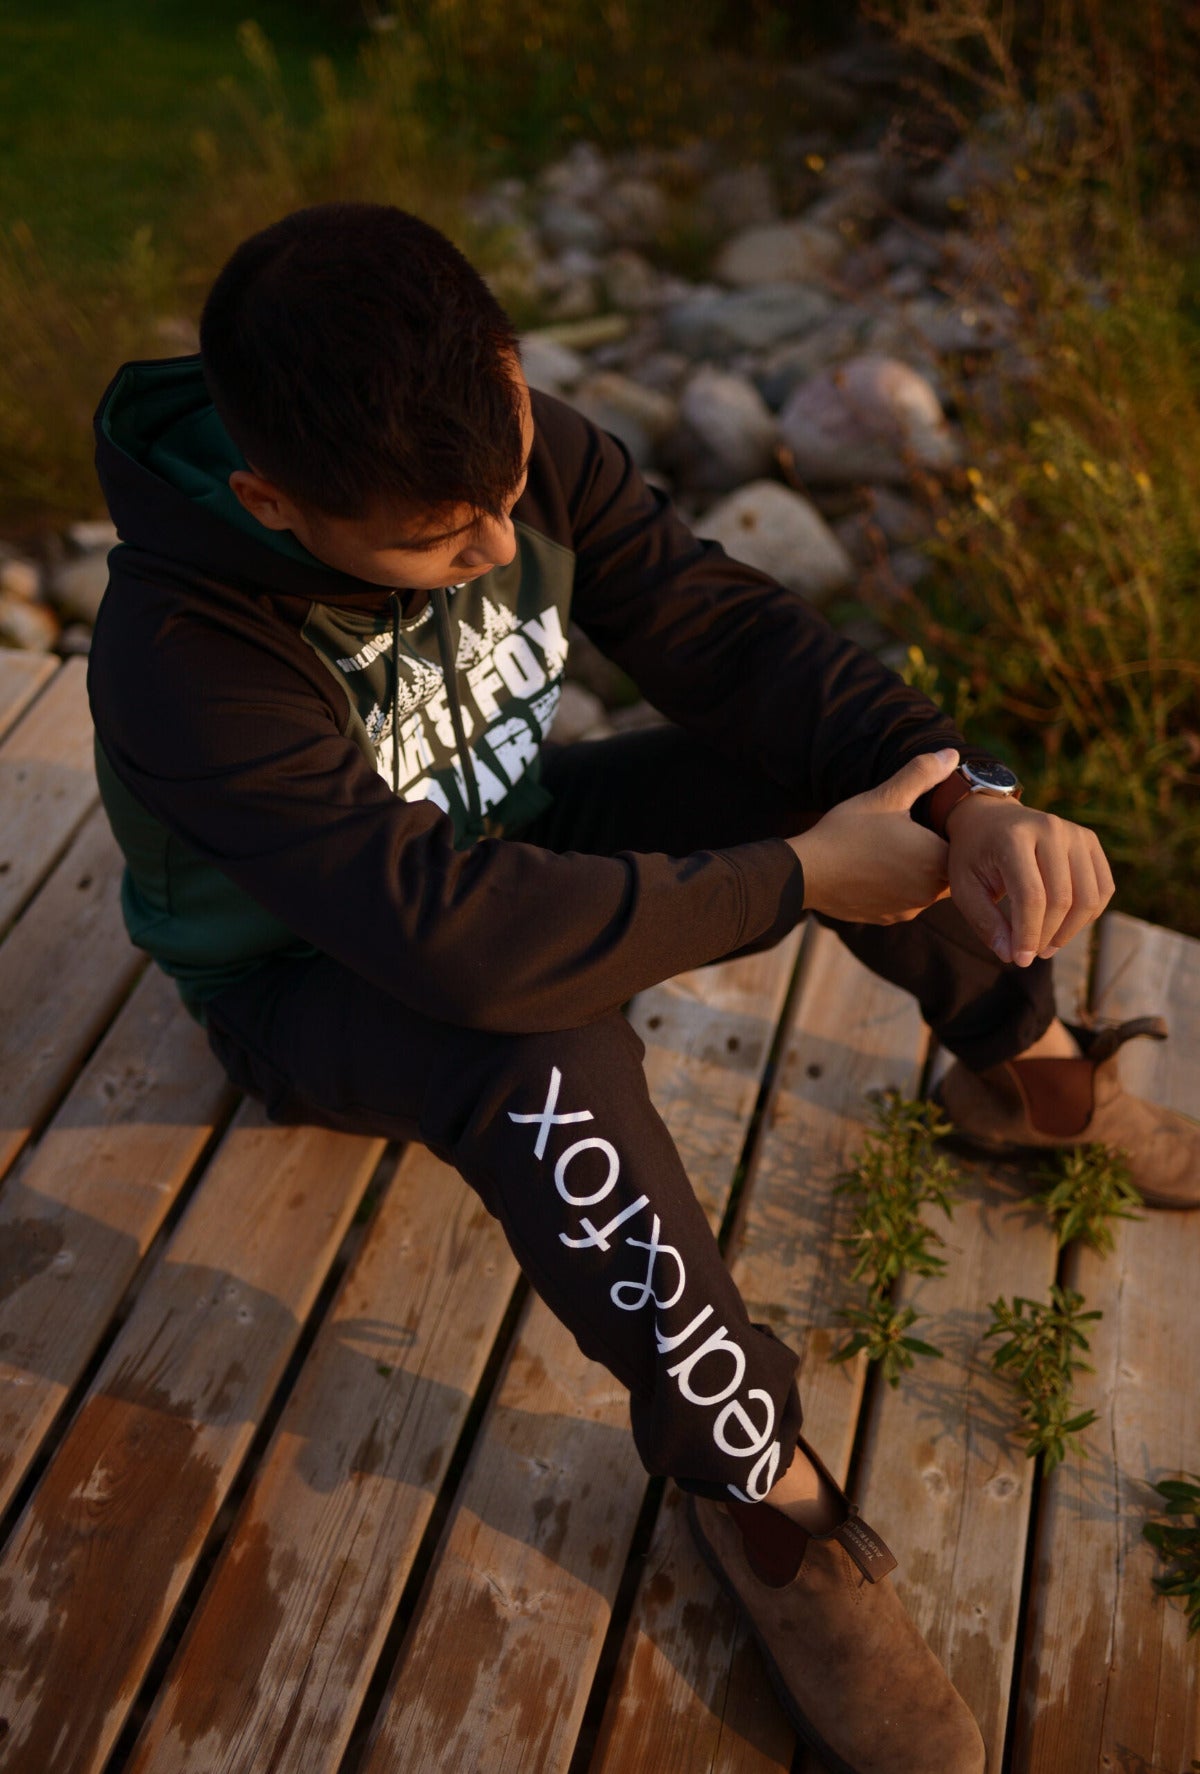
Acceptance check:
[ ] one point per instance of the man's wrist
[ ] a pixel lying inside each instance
(970, 800)
(969, 783)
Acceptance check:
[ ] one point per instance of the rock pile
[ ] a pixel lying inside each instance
(787, 396)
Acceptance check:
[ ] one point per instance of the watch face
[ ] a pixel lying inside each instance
(997, 777)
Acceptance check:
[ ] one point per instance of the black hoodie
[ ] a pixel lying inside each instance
(296, 761)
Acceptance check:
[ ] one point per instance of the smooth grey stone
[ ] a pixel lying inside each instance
(726, 434)
(78, 586)
(778, 252)
(770, 527)
(564, 224)
(871, 419)
(716, 323)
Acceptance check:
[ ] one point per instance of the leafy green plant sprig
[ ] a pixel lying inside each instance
(1087, 1188)
(1178, 1543)
(1041, 1358)
(896, 1173)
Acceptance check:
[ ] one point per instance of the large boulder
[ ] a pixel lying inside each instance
(776, 530)
(872, 419)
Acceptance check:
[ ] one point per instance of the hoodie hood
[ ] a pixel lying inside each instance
(163, 459)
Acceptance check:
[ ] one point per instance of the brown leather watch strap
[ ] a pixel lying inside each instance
(947, 794)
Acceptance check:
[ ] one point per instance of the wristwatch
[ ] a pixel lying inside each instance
(984, 778)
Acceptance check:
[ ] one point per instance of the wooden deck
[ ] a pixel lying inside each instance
(295, 1476)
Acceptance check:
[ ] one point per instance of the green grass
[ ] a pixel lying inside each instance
(99, 101)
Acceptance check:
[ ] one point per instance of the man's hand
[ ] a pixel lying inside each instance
(1053, 872)
(866, 861)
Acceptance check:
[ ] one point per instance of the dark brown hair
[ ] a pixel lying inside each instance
(357, 358)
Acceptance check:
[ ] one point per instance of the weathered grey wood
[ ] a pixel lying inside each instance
(102, 1552)
(687, 1673)
(944, 1479)
(77, 1219)
(47, 784)
(690, 1690)
(1072, 973)
(21, 677)
(508, 1630)
(290, 1627)
(63, 971)
(1110, 1679)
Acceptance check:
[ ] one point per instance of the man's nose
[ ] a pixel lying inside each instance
(494, 546)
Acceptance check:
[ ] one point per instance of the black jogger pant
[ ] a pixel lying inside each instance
(556, 1131)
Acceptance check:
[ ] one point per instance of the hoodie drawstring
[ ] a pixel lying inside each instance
(395, 600)
(441, 614)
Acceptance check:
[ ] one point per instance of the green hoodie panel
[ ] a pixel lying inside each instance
(187, 914)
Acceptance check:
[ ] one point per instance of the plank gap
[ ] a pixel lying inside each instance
(379, 1687)
(1016, 1694)
(741, 1195)
(614, 1638)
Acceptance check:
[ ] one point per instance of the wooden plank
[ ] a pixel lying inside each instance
(63, 972)
(101, 1554)
(688, 1674)
(1072, 974)
(1110, 1679)
(291, 1625)
(47, 784)
(21, 677)
(499, 1659)
(78, 1218)
(943, 1478)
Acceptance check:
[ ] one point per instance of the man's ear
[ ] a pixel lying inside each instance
(262, 499)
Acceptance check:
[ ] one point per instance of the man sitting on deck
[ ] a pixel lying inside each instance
(322, 679)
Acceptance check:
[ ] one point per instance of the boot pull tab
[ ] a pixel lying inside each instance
(865, 1548)
(1106, 1040)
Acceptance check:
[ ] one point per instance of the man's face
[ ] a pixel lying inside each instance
(408, 551)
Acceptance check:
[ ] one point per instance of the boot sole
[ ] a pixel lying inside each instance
(804, 1729)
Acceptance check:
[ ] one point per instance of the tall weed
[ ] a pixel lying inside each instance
(1064, 612)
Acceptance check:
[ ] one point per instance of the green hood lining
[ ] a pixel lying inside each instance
(161, 415)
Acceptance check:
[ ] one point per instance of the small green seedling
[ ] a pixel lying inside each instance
(1178, 1544)
(896, 1173)
(880, 1330)
(1087, 1188)
(1040, 1358)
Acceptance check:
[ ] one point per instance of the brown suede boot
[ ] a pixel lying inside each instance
(855, 1676)
(1027, 1104)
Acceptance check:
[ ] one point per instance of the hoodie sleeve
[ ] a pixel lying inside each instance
(724, 650)
(230, 748)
